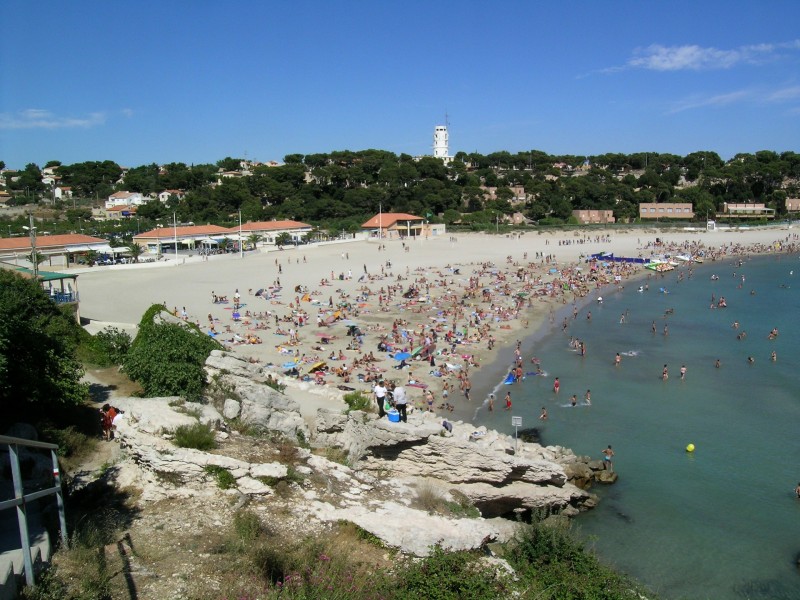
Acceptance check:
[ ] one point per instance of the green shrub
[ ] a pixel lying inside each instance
(357, 401)
(38, 342)
(167, 359)
(110, 347)
(451, 576)
(197, 436)
(246, 527)
(225, 479)
(549, 558)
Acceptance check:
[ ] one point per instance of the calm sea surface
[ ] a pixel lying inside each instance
(722, 522)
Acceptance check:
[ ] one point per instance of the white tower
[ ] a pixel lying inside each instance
(441, 143)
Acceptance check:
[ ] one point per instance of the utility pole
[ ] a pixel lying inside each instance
(34, 262)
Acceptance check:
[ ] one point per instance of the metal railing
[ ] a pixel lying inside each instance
(21, 499)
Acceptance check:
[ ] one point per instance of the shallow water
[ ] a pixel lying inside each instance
(722, 522)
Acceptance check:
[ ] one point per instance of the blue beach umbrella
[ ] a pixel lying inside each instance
(402, 356)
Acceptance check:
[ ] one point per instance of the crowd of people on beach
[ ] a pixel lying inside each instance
(423, 329)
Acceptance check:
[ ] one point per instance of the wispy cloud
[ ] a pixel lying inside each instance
(698, 58)
(37, 118)
(751, 95)
(786, 94)
(717, 100)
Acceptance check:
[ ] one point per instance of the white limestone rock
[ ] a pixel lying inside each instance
(253, 487)
(417, 532)
(220, 361)
(231, 408)
(276, 470)
(495, 501)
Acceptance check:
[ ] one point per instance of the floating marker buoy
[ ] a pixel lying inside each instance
(690, 448)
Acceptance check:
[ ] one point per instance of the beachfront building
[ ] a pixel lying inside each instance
(57, 250)
(793, 205)
(585, 217)
(746, 210)
(163, 240)
(268, 231)
(395, 226)
(441, 144)
(61, 288)
(666, 210)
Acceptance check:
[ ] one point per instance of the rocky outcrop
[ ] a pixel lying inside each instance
(498, 474)
(387, 464)
(258, 405)
(417, 532)
(146, 430)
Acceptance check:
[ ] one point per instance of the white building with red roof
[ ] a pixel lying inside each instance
(395, 225)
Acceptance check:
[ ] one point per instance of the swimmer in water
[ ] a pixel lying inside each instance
(665, 373)
(717, 364)
(588, 397)
(683, 372)
(574, 400)
(556, 385)
(543, 416)
(617, 360)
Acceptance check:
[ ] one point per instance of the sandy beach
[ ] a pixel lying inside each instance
(466, 301)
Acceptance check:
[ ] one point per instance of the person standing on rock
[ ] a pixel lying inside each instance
(400, 401)
(608, 454)
(380, 397)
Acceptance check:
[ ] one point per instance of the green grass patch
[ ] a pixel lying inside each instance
(224, 478)
(197, 436)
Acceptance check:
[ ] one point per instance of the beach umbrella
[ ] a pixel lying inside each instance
(348, 322)
(236, 315)
(402, 356)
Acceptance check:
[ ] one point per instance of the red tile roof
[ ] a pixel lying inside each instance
(385, 220)
(187, 231)
(48, 241)
(269, 226)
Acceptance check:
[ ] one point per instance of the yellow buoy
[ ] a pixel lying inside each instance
(690, 448)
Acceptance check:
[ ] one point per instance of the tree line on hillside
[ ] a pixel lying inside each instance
(340, 189)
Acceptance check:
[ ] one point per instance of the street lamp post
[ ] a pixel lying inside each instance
(175, 232)
(34, 262)
(241, 245)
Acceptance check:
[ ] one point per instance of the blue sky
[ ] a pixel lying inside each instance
(195, 81)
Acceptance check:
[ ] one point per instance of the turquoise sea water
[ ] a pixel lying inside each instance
(722, 522)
